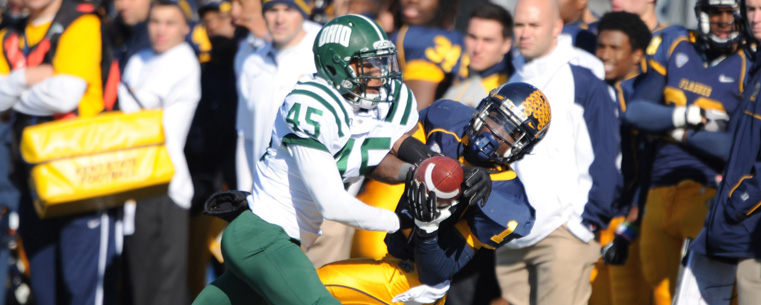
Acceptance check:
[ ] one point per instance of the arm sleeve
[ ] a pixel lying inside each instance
(326, 188)
(598, 160)
(11, 87)
(57, 94)
(646, 112)
(715, 144)
(438, 260)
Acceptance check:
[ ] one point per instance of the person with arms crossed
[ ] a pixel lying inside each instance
(166, 76)
(696, 90)
(51, 70)
(581, 150)
(429, 251)
(334, 127)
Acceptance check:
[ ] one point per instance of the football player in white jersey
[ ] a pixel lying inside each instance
(350, 119)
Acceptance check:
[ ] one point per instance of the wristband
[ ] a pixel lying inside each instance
(628, 231)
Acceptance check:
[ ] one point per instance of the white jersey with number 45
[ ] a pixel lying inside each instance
(317, 116)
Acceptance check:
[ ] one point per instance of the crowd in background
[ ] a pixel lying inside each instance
(631, 167)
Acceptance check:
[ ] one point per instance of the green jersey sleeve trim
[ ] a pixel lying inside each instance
(325, 104)
(292, 139)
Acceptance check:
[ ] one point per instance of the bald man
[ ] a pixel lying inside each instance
(572, 177)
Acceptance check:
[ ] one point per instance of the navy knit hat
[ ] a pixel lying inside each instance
(301, 5)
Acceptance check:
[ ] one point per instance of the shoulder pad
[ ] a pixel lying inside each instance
(652, 48)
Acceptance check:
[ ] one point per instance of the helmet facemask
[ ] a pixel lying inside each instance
(496, 132)
(371, 75)
(703, 11)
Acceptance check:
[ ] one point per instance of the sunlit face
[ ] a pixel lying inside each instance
(535, 29)
(485, 44)
(133, 12)
(419, 12)
(722, 21)
(167, 27)
(754, 17)
(285, 24)
(244, 11)
(615, 51)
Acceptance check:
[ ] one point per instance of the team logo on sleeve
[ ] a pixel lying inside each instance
(681, 59)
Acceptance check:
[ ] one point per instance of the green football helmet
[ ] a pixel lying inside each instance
(357, 40)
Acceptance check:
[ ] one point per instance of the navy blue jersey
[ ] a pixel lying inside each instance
(507, 214)
(636, 153)
(582, 35)
(689, 81)
(661, 47)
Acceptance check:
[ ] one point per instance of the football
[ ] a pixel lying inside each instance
(441, 174)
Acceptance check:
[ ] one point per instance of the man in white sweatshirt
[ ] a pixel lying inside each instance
(571, 178)
(166, 76)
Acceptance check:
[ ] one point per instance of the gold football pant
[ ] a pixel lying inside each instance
(368, 281)
(619, 285)
(672, 213)
(370, 244)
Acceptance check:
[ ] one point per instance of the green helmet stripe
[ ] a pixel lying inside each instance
(324, 103)
(335, 97)
(381, 35)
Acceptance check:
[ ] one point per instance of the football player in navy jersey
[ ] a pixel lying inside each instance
(621, 44)
(427, 252)
(688, 101)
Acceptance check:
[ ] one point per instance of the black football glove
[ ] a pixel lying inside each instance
(616, 252)
(226, 204)
(422, 205)
(477, 185)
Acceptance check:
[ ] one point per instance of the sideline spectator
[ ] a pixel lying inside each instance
(580, 150)
(131, 30)
(697, 89)
(431, 50)
(210, 148)
(71, 258)
(166, 76)
(246, 14)
(732, 232)
(621, 44)
(487, 44)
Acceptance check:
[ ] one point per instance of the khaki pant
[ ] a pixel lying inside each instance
(554, 271)
(333, 245)
(749, 281)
